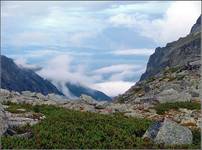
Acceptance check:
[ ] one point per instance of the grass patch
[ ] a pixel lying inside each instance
(13, 108)
(162, 108)
(68, 129)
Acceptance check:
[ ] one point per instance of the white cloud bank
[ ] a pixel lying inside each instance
(136, 52)
(117, 68)
(22, 63)
(113, 88)
(176, 22)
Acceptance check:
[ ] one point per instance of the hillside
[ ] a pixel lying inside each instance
(77, 90)
(172, 74)
(21, 79)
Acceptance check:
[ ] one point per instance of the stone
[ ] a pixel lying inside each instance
(21, 119)
(41, 96)
(4, 92)
(56, 97)
(25, 135)
(11, 132)
(101, 105)
(3, 121)
(199, 123)
(28, 93)
(172, 95)
(21, 109)
(188, 122)
(49, 102)
(88, 99)
(134, 114)
(152, 131)
(173, 134)
(169, 133)
(195, 93)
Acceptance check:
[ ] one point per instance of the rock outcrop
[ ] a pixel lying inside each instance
(172, 74)
(177, 53)
(169, 133)
(3, 121)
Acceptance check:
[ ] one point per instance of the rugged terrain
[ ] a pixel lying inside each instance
(31, 116)
(162, 110)
(172, 74)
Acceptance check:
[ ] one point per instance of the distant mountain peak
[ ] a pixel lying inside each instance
(197, 26)
(21, 79)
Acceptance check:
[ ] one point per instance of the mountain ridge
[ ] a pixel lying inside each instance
(172, 72)
(20, 79)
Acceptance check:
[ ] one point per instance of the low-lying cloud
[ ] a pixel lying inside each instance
(113, 88)
(136, 52)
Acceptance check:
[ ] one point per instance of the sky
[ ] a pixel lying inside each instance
(103, 45)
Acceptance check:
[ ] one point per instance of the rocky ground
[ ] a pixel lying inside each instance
(171, 85)
(190, 119)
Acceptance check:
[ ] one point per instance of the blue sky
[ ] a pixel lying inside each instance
(104, 45)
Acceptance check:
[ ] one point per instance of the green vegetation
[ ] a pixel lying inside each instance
(13, 108)
(162, 108)
(73, 129)
(68, 129)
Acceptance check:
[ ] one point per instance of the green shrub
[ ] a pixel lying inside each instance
(68, 129)
(13, 107)
(162, 108)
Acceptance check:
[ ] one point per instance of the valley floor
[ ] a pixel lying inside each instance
(66, 129)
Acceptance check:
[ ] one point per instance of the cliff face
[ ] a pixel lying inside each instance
(177, 53)
(172, 74)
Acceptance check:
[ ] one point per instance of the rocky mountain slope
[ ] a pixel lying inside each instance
(77, 90)
(172, 74)
(21, 79)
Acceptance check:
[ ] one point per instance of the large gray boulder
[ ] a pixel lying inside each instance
(28, 94)
(169, 133)
(171, 95)
(3, 121)
(88, 99)
(56, 97)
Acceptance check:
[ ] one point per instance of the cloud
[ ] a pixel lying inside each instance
(113, 88)
(117, 68)
(122, 19)
(60, 70)
(177, 22)
(31, 38)
(174, 23)
(137, 52)
(120, 72)
(127, 75)
(22, 63)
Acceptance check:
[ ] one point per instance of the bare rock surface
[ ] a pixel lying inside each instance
(3, 121)
(169, 133)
